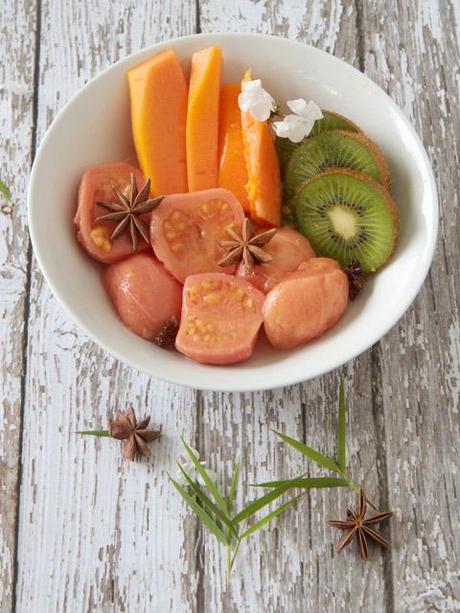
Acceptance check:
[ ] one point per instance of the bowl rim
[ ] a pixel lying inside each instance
(245, 385)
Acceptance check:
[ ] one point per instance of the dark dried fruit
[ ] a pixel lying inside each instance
(166, 335)
(356, 278)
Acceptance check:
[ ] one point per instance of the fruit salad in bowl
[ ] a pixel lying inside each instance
(236, 225)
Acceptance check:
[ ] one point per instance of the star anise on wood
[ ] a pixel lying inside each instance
(135, 436)
(359, 527)
(356, 278)
(246, 247)
(129, 209)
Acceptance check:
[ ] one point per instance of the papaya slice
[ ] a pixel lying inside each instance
(264, 183)
(158, 94)
(233, 174)
(203, 119)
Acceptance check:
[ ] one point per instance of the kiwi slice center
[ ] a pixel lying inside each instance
(343, 221)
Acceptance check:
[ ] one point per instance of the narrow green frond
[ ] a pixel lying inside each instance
(258, 525)
(317, 457)
(342, 428)
(200, 512)
(206, 478)
(93, 432)
(306, 483)
(207, 502)
(232, 491)
(258, 504)
(5, 191)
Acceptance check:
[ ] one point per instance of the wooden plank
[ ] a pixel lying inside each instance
(414, 52)
(292, 567)
(88, 540)
(17, 44)
(97, 533)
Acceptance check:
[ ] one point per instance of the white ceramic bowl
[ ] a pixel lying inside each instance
(94, 127)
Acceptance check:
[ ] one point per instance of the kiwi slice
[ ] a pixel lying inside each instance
(348, 216)
(330, 121)
(333, 121)
(336, 149)
(284, 149)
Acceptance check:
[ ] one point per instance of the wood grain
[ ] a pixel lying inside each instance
(100, 534)
(97, 533)
(16, 137)
(292, 567)
(414, 53)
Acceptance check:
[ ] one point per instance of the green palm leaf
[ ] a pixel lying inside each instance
(207, 502)
(200, 512)
(4, 190)
(233, 486)
(306, 483)
(270, 516)
(206, 478)
(258, 504)
(317, 457)
(342, 427)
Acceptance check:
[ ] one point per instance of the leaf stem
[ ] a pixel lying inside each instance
(357, 488)
(94, 432)
(233, 558)
(5, 191)
(229, 560)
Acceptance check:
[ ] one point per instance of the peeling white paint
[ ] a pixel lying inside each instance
(95, 531)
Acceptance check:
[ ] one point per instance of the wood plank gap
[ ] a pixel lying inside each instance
(360, 32)
(378, 415)
(28, 283)
(197, 17)
(303, 408)
(432, 296)
(200, 541)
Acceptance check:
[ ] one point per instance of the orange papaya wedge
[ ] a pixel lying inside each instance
(158, 95)
(233, 174)
(264, 181)
(203, 119)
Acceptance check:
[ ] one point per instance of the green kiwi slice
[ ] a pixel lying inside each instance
(348, 216)
(336, 149)
(333, 121)
(284, 149)
(330, 121)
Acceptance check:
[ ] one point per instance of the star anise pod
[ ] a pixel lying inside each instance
(135, 436)
(246, 247)
(128, 210)
(360, 528)
(356, 278)
(166, 335)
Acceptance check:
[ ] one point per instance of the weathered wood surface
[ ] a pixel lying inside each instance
(94, 540)
(414, 53)
(291, 567)
(96, 533)
(17, 144)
